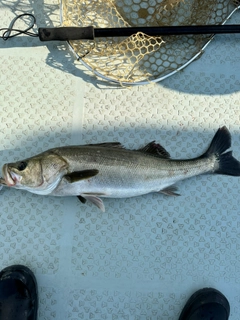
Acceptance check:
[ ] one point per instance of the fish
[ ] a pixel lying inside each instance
(108, 170)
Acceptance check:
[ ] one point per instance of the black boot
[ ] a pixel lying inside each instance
(206, 304)
(18, 294)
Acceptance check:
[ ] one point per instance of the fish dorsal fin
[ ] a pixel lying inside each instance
(107, 145)
(155, 149)
(80, 175)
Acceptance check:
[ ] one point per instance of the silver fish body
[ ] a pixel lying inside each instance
(125, 173)
(108, 170)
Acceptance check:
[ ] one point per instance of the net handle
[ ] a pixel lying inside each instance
(66, 33)
(89, 33)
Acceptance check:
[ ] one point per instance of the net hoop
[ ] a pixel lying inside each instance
(146, 81)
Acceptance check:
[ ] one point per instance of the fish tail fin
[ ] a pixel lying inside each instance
(228, 165)
(225, 162)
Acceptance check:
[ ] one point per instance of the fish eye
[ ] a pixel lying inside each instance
(22, 165)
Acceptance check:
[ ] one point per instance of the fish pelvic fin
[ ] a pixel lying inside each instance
(94, 199)
(80, 175)
(226, 163)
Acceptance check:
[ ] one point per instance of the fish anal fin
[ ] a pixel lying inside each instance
(80, 175)
(170, 191)
(155, 149)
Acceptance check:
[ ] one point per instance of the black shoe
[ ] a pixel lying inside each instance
(206, 304)
(18, 294)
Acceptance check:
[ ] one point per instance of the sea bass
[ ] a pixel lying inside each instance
(109, 170)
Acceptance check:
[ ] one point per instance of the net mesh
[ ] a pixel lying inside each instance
(141, 57)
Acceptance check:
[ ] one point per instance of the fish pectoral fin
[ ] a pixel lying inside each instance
(156, 150)
(95, 200)
(170, 191)
(80, 175)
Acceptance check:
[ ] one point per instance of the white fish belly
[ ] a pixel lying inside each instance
(109, 191)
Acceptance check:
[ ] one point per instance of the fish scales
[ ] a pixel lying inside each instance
(125, 173)
(129, 173)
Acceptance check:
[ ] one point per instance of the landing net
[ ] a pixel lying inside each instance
(141, 58)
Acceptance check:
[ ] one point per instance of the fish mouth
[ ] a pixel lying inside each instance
(11, 178)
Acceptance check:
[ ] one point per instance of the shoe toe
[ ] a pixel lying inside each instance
(18, 293)
(206, 303)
